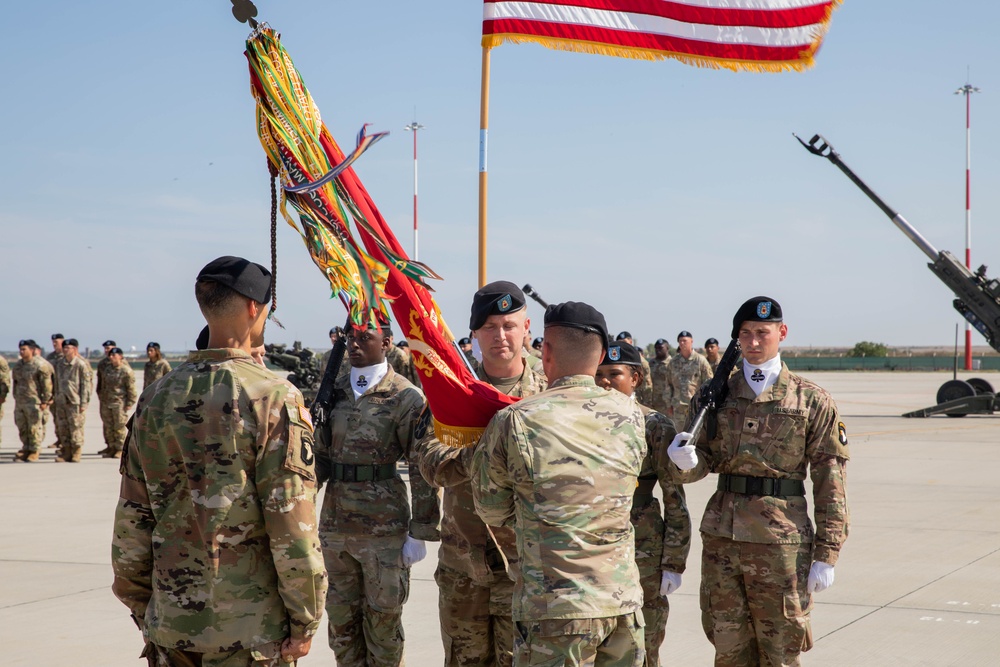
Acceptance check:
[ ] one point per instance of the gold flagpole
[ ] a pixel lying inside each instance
(484, 116)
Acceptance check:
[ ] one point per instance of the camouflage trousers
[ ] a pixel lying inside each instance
(114, 417)
(754, 602)
(615, 641)
(648, 523)
(265, 655)
(28, 418)
(364, 604)
(69, 429)
(476, 625)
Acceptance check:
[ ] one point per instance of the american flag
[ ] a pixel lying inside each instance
(755, 35)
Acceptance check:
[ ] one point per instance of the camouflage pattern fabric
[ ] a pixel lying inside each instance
(265, 655)
(117, 396)
(658, 375)
(792, 425)
(215, 546)
(615, 641)
(153, 371)
(474, 590)
(72, 398)
(4, 383)
(102, 366)
(402, 363)
(49, 370)
(662, 540)
(644, 392)
(32, 387)
(561, 468)
(684, 378)
(363, 524)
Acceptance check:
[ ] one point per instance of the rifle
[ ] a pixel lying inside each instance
(714, 392)
(320, 408)
(527, 289)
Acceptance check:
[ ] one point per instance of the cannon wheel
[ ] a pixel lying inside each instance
(981, 386)
(953, 389)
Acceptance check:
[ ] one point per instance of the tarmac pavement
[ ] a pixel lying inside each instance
(918, 582)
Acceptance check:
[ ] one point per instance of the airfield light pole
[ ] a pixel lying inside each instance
(414, 127)
(967, 90)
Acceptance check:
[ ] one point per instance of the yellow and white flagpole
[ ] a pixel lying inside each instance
(484, 118)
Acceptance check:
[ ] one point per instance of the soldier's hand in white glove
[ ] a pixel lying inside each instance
(414, 551)
(669, 582)
(681, 451)
(820, 577)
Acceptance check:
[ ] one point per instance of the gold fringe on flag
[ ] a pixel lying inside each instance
(458, 436)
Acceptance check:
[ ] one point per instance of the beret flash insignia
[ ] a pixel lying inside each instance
(764, 309)
(614, 352)
(504, 303)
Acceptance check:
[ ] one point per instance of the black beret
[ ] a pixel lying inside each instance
(464, 341)
(577, 315)
(241, 275)
(24, 342)
(402, 343)
(72, 342)
(661, 341)
(623, 335)
(620, 352)
(711, 341)
(757, 309)
(684, 334)
(201, 343)
(537, 342)
(57, 336)
(115, 350)
(336, 331)
(497, 298)
(109, 343)
(31, 342)
(153, 345)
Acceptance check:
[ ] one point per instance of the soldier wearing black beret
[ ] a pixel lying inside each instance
(712, 354)
(762, 560)
(644, 393)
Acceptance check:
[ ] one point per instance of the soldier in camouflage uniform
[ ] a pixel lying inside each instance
(686, 372)
(72, 398)
(712, 355)
(658, 375)
(156, 367)
(370, 540)
(4, 383)
(662, 539)
(406, 366)
(644, 393)
(221, 568)
(561, 467)
(117, 395)
(761, 558)
(104, 363)
(56, 358)
(50, 371)
(32, 394)
(474, 588)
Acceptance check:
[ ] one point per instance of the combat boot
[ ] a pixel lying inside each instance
(75, 454)
(30, 457)
(111, 453)
(105, 451)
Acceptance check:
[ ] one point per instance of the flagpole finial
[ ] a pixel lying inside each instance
(244, 11)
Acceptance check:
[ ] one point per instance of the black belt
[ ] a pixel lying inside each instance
(348, 472)
(761, 486)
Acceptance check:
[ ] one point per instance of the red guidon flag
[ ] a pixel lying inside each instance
(754, 35)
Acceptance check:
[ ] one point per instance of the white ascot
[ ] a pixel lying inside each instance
(366, 377)
(761, 377)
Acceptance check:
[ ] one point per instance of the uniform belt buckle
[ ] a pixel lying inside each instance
(754, 486)
(350, 473)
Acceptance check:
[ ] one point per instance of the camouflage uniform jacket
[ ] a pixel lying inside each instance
(792, 424)
(660, 432)
(32, 384)
(215, 545)
(658, 375)
(154, 370)
(378, 428)
(684, 377)
(560, 467)
(57, 360)
(4, 379)
(465, 544)
(119, 385)
(74, 382)
(102, 366)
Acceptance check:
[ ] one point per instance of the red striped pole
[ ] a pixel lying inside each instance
(413, 127)
(967, 90)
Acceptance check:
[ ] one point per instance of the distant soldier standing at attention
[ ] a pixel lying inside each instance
(644, 393)
(560, 468)
(56, 358)
(156, 367)
(658, 374)
(4, 383)
(712, 355)
(761, 558)
(49, 370)
(686, 372)
(32, 394)
(117, 396)
(72, 399)
(215, 550)
(662, 539)
(474, 588)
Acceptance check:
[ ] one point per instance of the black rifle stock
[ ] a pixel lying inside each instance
(714, 392)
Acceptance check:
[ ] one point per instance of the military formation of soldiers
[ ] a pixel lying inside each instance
(554, 548)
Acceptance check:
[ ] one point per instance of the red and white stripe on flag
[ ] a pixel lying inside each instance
(755, 35)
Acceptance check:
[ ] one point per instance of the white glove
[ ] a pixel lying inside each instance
(820, 577)
(414, 551)
(669, 582)
(684, 456)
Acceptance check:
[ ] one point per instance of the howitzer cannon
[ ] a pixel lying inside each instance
(977, 298)
(302, 364)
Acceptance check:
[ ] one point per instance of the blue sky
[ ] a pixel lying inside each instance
(663, 194)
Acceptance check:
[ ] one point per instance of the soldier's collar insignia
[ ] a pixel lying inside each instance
(504, 303)
(614, 352)
(764, 309)
(757, 375)
(362, 381)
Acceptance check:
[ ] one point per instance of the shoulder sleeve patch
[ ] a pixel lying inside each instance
(842, 433)
(300, 454)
